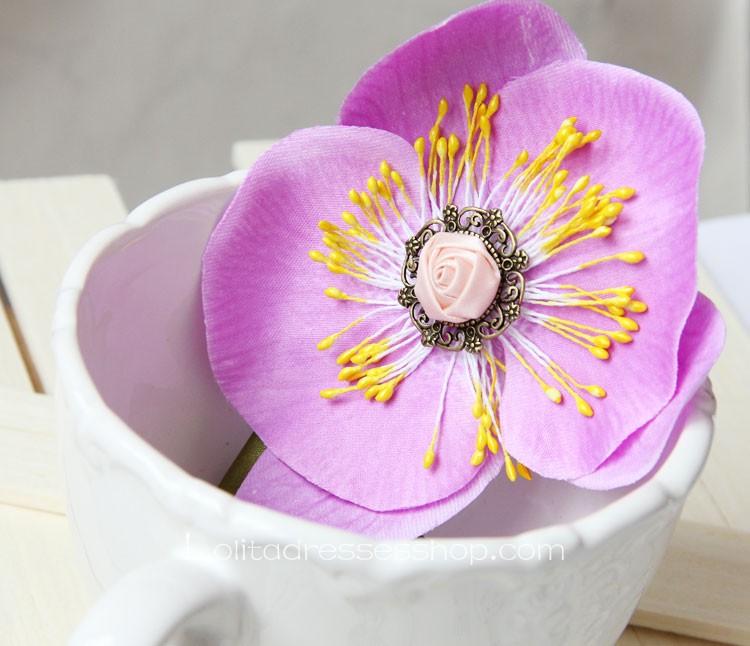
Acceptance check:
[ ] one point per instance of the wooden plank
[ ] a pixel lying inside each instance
(13, 372)
(722, 497)
(30, 473)
(634, 636)
(43, 593)
(702, 588)
(43, 223)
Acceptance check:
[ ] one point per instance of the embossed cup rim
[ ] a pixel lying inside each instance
(214, 511)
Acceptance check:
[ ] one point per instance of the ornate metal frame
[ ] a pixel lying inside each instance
(490, 228)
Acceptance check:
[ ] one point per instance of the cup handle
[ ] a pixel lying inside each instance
(152, 603)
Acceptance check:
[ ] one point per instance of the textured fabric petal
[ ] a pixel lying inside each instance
(700, 346)
(492, 43)
(652, 140)
(265, 312)
(273, 484)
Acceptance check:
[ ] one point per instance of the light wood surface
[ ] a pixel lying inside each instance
(703, 585)
(723, 493)
(636, 636)
(29, 463)
(43, 594)
(702, 589)
(44, 223)
(12, 369)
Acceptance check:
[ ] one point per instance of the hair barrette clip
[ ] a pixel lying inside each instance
(487, 267)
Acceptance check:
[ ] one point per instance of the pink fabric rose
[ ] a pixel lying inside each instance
(457, 278)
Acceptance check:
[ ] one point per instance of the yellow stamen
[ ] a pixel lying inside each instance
(566, 206)
(553, 394)
(373, 376)
(386, 390)
(600, 341)
(373, 183)
(477, 407)
(419, 149)
(325, 225)
(468, 95)
(357, 229)
(493, 106)
(481, 441)
(330, 393)
(523, 471)
(335, 268)
(493, 372)
(363, 201)
(620, 337)
(338, 242)
(626, 323)
(442, 151)
(594, 348)
(486, 128)
(553, 196)
(477, 458)
(370, 353)
(399, 182)
(637, 307)
(471, 123)
(345, 356)
(337, 294)
(492, 443)
(350, 373)
(453, 146)
(599, 232)
(434, 136)
(339, 258)
(355, 198)
(594, 211)
(351, 220)
(510, 469)
(630, 257)
(520, 161)
(583, 406)
(596, 391)
(429, 457)
(330, 340)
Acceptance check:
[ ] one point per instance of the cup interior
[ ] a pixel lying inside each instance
(142, 337)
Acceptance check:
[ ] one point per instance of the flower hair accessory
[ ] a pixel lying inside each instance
(487, 267)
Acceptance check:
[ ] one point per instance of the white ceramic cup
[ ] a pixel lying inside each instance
(146, 433)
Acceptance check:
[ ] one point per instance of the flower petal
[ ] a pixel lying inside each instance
(492, 43)
(265, 312)
(273, 484)
(652, 140)
(700, 346)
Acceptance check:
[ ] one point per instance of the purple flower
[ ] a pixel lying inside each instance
(576, 179)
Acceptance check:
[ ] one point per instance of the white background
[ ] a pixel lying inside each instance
(154, 93)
